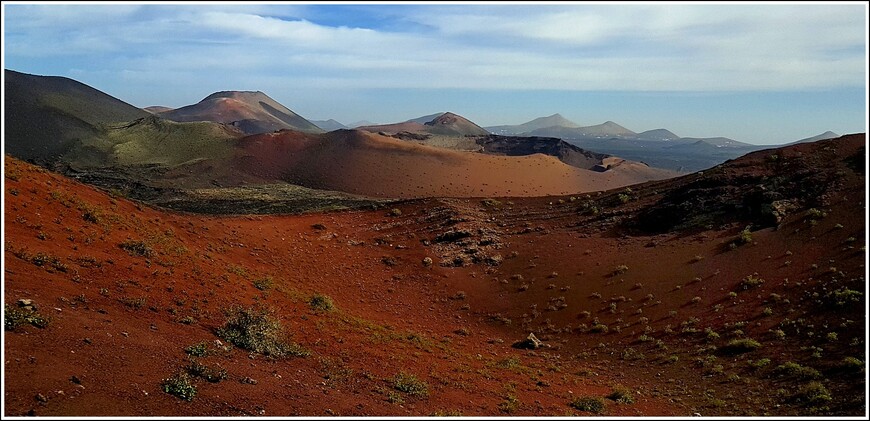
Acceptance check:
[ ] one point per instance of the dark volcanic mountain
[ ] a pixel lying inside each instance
(251, 112)
(520, 146)
(45, 115)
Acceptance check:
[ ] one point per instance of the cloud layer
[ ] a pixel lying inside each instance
(635, 47)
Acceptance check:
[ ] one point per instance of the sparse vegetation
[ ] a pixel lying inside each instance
(751, 281)
(257, 330)
(853, 364)
(813, 393)
(136, 248)
(621, 394)
(179, 386)
(410, 384)
(792, 369)
(591, 404)
(197, 350)
(321, 302)
(264, 283)
(739, 346)
(14, 317)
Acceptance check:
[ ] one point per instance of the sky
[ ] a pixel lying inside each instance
(753, 72)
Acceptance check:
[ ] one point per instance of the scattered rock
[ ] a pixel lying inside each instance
(427, 261)
(75, 380)
(41, 398)
(531, 342)
(248, 380)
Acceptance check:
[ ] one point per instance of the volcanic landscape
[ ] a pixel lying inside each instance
(231, 258)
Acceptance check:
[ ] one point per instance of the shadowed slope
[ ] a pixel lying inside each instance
(45, 115)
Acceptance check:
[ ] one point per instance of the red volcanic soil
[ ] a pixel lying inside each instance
(374, 165)
(563, 268)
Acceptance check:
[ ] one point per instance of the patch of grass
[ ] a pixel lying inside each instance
(134, 303)
(591, 404)
(510, 404)
(410, 384)
(739, 346)
(759, 363)
(136, 248)
(321, 302)
(751, 281)
(812, 394)
(258, 330)
(179, 386)
(197, 350)
(210, 374)
(264, 284)
(15, 317)
(621, 394)
(853, 364)
(792, 369)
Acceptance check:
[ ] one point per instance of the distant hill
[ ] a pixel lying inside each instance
(606, 129)
(521, 146)
(360, 123)
(45, 115)
(658, 134)
(152, 141)
(154, 109)
(426, 118)
(721, 142)
(824, 136)
(252, 112)
(555, 120)
(444, 124)
(329, 125)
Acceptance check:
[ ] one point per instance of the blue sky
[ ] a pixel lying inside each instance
(759, 73)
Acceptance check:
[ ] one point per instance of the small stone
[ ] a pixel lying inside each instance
(248, 380)
(24, 302)
(75, 380)
(427, 261)
(40, 397)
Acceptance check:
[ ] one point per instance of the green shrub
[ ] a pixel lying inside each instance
(621, 394)
(180, 386)
(136, 248)
(853, 364)
(759, 363)
(813, 393)
(197, 350)
(591, 404)
(320, 302)
(792, 369)
(14, 317)
(751, 281)
(263, 283)
(739, 346)
(257, 330)
(410, 384)
(212, 375)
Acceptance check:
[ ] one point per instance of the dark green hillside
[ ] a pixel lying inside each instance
(45, 115)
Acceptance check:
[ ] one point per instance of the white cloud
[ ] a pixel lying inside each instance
(624, 47)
